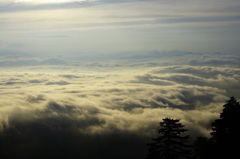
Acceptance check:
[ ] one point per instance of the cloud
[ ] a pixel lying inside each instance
(123, 59)
(57, 83)
(93, 108)
(35, 81)
(64, 95)
(11, 6)
(13, 60)
(200, 71)
(216, 61)
(215, 77)
(13, 83)
(185, 79)
(35, 99)
(3, 122)
(126, 25)
(56, 130)
(13, 53)
(70, 76)
(149, 79)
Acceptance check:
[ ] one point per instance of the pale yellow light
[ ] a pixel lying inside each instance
(47, 1)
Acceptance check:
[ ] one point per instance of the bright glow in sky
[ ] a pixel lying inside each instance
(48, 1)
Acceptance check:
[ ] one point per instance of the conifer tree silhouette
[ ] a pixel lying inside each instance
(225, 135)
(171, 143)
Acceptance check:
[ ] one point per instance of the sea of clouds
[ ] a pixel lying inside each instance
(111, 102)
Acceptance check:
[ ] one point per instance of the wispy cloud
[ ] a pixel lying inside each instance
(126, 25)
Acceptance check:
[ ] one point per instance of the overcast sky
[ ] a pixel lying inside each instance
(68, 26)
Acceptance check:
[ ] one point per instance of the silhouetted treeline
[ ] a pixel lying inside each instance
(225, 136)
(223, 142)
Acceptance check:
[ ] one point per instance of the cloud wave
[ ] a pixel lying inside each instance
(89, 104)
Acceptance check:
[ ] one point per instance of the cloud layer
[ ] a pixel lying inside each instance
(116, 101)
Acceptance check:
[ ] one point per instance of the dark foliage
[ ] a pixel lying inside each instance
(202, 145)
(171, 143)
(225, 137)
(225, 130)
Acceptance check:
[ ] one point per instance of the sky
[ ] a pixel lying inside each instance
(37, 26)
(93, 78)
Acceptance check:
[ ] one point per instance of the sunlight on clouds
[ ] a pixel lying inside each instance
(19, 1)
(124, 97)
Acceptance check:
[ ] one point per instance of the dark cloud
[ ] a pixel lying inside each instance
(15, 61)
(35, 99)
(42, 142)
(68, 110)
(184, 79)
(18, 62)
(120, 60)
(204, 71)
(192, 100)
(150, 79)
(58, 83)
(166, 102)
(70, 76)
(73, 91)
(56, 132)
(52, 61)
(35, 81)
(126, 105)
(13, 83)
(213, 60)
